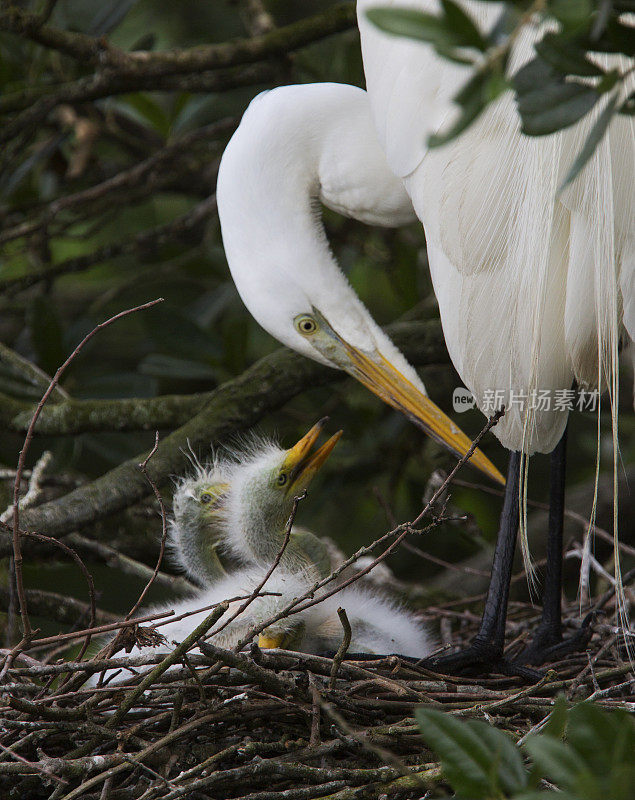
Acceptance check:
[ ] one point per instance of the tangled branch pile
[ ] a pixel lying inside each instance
(262, 725)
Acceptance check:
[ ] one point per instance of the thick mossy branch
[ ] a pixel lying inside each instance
(422, 343)
(234, 406)
(100, 53)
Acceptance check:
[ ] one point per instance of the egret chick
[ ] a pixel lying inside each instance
(256, 512)
(209, 528)
(195, 535)
(378, 626)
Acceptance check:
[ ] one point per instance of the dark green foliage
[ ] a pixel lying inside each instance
(584, 752)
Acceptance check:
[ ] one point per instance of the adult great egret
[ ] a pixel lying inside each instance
(296, 146)
(528, 287)
(560, 269)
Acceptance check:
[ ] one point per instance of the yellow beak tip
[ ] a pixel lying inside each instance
(269, 642)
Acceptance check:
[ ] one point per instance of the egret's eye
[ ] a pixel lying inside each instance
(282, 479)
(305, 324)
(206, 497)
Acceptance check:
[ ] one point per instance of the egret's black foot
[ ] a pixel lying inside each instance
(548, 645)
(479, 659)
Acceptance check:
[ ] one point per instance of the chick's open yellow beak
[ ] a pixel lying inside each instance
(269, 642)
(384, 380)
(301, 464)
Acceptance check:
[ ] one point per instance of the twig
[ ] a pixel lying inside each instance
(164, 526)
(113, 558)
(17, 554)
(304, 602)
(265, 677)
(573, 515)
(111, 626)
(35, 485)
(343, 648)
(182, 228)
(90, 50)
(408, 527)
(30, 498)
(37, 767)
(504, 701)
(33, 374)
(284, 373)
(171, 659)
(314, 738)
(127, 179)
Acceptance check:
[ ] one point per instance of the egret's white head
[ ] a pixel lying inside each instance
(296, 146)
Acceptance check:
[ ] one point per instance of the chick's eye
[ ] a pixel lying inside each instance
(305, 324)
(282, 479)
(206, 497)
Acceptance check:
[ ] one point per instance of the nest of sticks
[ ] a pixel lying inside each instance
(268, 725)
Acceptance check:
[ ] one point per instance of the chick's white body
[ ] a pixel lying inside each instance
(236, 504)
(378, 625)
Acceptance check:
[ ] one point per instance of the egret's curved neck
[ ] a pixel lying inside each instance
(296, 146)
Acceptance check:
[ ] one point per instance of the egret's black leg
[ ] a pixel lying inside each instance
(485, 653)
(547, 643)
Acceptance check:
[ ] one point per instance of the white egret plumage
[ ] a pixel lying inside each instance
(534, 286)
(531, 284)
(296, 146)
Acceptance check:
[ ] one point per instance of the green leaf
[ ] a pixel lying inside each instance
(557, 720)
(511, 772)
(412, 24)
(552, 108)
(443, 32)
(628, 106)
(175, 333)
(461, 22)
(593, 139)
(616, 38)
(555, 760)
(149, 111)
(11, 179)
(162, 366)
(466, 759)
(603, 739)
(534, 74)
(114, 385)
(566, 56)
(546, 795)
(109, 16)
(573, 14)
(473, 98)
(469, 113)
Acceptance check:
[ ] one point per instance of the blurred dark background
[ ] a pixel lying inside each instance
(202, 335)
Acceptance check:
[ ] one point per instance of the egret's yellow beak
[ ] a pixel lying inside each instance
(301, 464)
(269, 641)
(374, 370)
(384, 380)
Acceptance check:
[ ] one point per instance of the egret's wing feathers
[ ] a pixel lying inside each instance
(525, 278)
